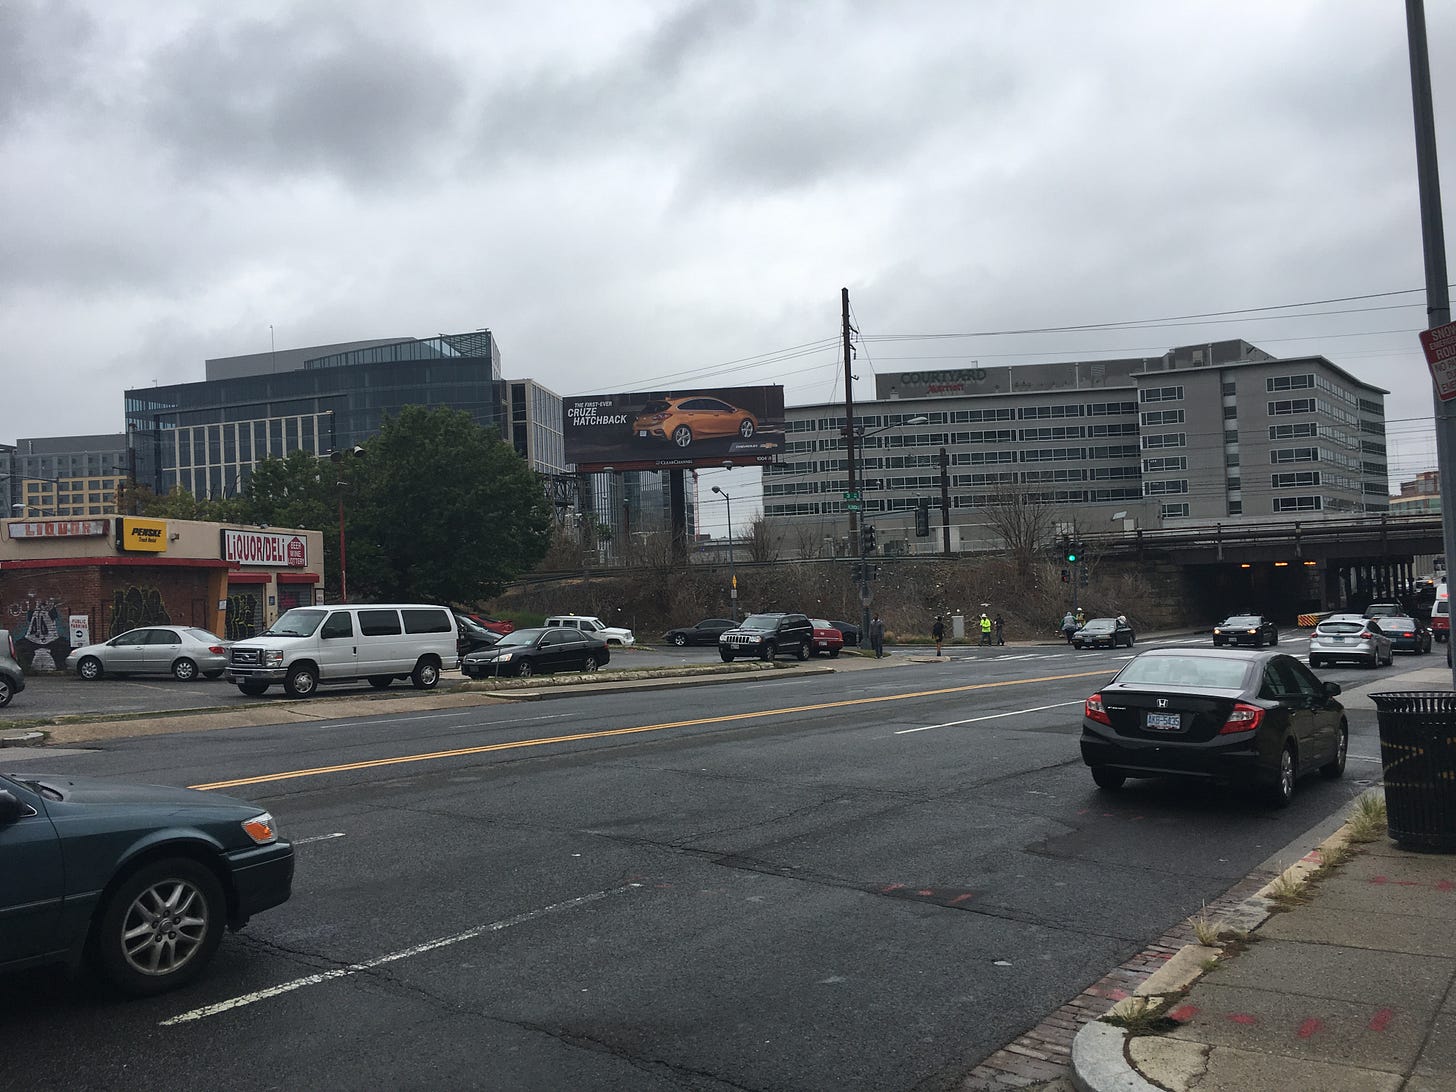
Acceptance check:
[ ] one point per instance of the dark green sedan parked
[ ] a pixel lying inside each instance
(138, 880)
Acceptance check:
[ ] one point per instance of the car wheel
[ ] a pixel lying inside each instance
(746, 429)
(1217, 643)
(680, 639)
(1274, 638)
(1335, 768)
(212, 674)
(525, 669)
(184, 669)
(300, 683)
(1107, 779)
(726, 657)
(1374, 661)
(380, 682)
(589, 664)
(803, 651)
(6, 692)
(1316, 662)
(425, 675)
(160, 927)
(682, 436)
(770, 650)
(1282, 791)
(833, 652)
(253, 688)
(90, 668)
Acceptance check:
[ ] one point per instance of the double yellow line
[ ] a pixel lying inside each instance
(376, 763)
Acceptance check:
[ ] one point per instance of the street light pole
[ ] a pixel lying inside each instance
(336, 457)
(732, 560)
(858, 437)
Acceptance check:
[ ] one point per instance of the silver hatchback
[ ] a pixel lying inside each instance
(182, 651)
(1350, 637)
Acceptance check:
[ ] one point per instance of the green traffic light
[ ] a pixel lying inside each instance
(1072, 558)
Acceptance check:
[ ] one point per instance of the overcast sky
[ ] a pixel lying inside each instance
(637, 193)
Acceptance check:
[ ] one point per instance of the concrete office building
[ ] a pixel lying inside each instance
(1221, 431)
(62, 477)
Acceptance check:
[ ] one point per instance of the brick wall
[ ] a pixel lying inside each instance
(115, 598)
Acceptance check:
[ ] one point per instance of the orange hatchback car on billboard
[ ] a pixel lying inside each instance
(683, 420)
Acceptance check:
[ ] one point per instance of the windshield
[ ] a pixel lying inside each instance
(1395, 621)
(1245, 620)
(1342, 627)
(299, 622)
(760, 621)
(519, 637)
(1185, 671)
(205, 637)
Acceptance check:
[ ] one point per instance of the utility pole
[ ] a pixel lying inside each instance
(852, 493)
(945, 501)
(1433, 238)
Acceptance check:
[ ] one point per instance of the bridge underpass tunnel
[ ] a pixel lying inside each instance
(1281, 589)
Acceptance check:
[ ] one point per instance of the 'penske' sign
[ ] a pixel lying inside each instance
(141, 536)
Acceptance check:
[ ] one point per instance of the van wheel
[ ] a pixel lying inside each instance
(301, 682)
(425, 675)
(253, 688)
(380, 682)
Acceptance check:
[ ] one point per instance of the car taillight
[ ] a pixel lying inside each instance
(1244, 718)
(1407, 634)
(1095, 710)
(1366, 635)
(216, 650)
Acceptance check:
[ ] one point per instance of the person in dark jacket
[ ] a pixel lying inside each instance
(1000, 624)
(937, 633)
(877, 636)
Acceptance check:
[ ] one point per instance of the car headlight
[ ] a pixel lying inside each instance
(261, 829)
(272, 659)
(506, 655)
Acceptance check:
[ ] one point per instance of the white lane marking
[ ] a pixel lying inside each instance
(317, 838)
(392, 957)
(992, 716)
(1023, 656)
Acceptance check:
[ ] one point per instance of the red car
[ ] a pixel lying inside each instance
(826, 638)
(495, 625)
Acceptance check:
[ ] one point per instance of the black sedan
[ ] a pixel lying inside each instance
(1103, 633)
(140, 879)
(1259, 718)
(848, 630)
(1406, 634)
(1245, 629)
(473, 636)
(525, 652)
(701, 633)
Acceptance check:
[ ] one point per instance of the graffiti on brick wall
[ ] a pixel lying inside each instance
(242, 617)
(39, 631)
(133, 606)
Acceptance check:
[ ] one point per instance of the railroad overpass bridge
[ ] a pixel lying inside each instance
(1284, 567)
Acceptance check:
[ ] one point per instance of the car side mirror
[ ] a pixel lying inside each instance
(11, 807)
(1331, 689)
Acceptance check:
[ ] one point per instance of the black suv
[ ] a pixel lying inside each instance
(767, 636)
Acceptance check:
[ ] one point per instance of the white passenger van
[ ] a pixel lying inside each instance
(381, 642)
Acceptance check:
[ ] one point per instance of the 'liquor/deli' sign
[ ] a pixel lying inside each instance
(264, 548)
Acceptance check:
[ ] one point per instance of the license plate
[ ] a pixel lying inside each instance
(1340, 640)
(1165, 721)
(642, 432)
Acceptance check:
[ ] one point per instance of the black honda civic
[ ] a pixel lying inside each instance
(1252, 717)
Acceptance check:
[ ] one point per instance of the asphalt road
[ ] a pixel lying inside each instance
(866, 880)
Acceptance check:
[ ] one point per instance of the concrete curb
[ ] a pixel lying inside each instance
(1100, 1061)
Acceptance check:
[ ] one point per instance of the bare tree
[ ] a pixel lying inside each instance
(807, 540)
(761, 545)
(1024, 519)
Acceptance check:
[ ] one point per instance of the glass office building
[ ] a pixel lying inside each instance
(207, 436)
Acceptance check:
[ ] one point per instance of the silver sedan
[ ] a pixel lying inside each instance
(182, 651)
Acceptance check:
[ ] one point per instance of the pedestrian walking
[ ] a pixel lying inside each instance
(1081, 617)
(985, 629)
(1069, 626)
(877, 636)
(1000, 625)
(937, 633)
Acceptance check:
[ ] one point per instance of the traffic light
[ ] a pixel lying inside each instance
(1084, 576)
(922, 519)
(1066, 576)
(867, 538)
(1072, 555)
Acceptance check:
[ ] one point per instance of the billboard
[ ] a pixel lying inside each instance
(145, 536)
(662, 430)
(264, 548)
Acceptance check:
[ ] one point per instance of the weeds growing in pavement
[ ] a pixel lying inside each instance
(1367, 818)
(1287, 891)
(1212, 934)
(1142, 1015)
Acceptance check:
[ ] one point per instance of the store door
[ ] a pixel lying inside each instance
(294, 595)
(244, 611)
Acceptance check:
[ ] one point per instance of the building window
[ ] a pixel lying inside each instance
(1161, 394)
(1173, 511)
(1290, 383)
(1230, 412)
(1162, 489)
(1163, 417)
(1286, 406)
(1165, 439)
(1296, 479)
(1298, 504)
(1235, 508)
(1163, 466)
(1294, 455)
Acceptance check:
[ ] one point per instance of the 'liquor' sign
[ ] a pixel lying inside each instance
(264, 548)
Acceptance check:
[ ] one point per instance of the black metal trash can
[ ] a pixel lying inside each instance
(1418, 756)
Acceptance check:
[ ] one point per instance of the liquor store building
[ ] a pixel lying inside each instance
(65, 583)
